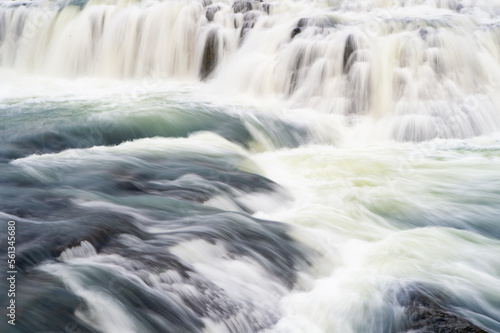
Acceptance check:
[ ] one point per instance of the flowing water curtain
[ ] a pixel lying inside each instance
(425, 75)
(386, 65)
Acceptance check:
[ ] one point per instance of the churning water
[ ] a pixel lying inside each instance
(251, 166)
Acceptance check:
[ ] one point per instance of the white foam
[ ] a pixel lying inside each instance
(84, 250)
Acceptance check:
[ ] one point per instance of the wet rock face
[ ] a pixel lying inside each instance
(266, 7)
(249, 20)
(251, 11)
(319, 22)
(300, 25)
(295, 32)
(349, 49)
(209, 60)
(426, 315)
(210, 12)
(243, 6)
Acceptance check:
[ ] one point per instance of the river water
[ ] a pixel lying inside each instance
(249, 166)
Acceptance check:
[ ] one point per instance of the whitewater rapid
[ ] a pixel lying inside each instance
(427, 68)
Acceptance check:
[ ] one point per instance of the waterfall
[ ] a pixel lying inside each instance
(251, 165)
(433, 75)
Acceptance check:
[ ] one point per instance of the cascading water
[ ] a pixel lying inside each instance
(251, 166)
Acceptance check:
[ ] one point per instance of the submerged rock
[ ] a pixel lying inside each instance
(249, 20)
(426, 315)
(243, 6)
(295, 32)
(209, 59)
(266, 7)
(210, 12)
(295, 70)
(349, 49)
(300, 25)
(319, 22)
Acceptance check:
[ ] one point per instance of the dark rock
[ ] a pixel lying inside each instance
(295, 32)
(320, 22)
(296, 67)
(302, 22)
(249, 20)
(423, 33)
(349, 49)
(426, 315)
(209, 60)
(300, 25)
(243, 6)
(210, 12)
